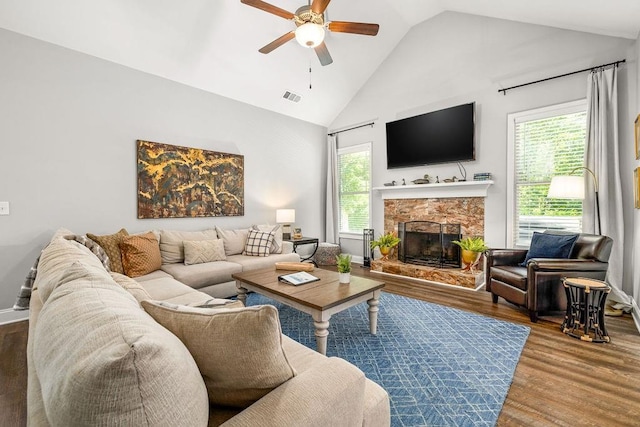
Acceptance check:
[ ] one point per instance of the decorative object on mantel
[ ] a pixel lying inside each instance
(385, 243)
(472, 248)
(343, 262)
(424, 180)
(453, 179)
(463, 172)
(403, 182)
(482, 176)
(389, 184)
(180, 182)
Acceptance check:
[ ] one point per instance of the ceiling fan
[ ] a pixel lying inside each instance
(310, 23)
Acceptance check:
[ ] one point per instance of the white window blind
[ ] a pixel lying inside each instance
(354, 175)
(546, 143)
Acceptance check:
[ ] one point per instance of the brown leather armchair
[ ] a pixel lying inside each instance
(538, 286)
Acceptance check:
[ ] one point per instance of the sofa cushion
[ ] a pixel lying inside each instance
(116, 365)
(254, 262)
(140, 254)
(258, 243)
(547, 245)
(239, 351)
(201, 275)
(199, 251)
(111, 245)
(158, 274)
(276, 245)
(131, 286)
(172, 246)
(234, 240)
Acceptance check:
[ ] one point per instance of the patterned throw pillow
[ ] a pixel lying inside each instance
(111, 245)
(140, 254)
(276, 245)
(200, 251)
(223, 339)
(258, 243)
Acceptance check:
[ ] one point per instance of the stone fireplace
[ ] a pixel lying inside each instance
(456, 207)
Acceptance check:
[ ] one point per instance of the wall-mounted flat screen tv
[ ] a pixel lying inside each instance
(442, 136)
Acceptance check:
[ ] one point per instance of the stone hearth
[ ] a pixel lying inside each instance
(449, 276)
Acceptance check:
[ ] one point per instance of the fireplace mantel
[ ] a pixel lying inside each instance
(433, 191)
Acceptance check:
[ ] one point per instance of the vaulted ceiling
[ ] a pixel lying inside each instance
(213, 44)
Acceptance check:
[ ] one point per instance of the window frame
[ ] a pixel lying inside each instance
(363, 147)
(522, 116)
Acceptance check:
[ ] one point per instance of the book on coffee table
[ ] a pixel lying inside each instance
(299, 278)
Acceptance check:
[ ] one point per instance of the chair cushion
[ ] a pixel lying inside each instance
(238, 351)
(515, 276)
(547, 245)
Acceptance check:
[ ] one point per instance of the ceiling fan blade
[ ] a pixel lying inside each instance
(318, 6)
(354, 28)
(277, 42)
(323, 54)
(269, 8)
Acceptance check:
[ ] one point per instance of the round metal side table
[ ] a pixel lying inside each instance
(585, 309)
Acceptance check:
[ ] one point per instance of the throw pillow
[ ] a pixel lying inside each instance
(200, 251)
(111, 245)
(547, 245)
(234, 240)
(172, 246)
(140, 254)
(258, 243)
(238, 350)
(276, 245)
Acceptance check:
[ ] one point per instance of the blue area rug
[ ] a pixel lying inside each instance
(441, 366)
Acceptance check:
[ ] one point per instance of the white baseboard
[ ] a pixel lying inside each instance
(10, 315)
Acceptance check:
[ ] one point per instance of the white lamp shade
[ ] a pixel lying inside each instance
(566, 187)
(310, 34)
(285, 216)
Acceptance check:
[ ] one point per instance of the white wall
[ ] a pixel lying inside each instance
(635, 260)
(68, 126)
(457, 58)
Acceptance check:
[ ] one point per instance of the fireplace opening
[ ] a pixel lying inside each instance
(429, 243)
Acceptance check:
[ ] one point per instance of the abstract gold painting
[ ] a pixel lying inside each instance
(182, 182)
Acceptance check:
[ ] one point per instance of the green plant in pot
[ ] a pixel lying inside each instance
(343, 262)
(472, 248)
(386, 242)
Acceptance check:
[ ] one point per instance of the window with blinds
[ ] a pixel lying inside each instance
(545, 143)
(354, 180)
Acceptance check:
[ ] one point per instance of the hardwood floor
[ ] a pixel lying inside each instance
(559, 381)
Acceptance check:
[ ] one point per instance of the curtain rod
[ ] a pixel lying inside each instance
(562, 75)
(352, 128)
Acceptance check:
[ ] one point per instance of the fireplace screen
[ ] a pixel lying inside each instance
(429, 243)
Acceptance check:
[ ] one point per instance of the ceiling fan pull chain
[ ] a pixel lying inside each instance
(309, 77)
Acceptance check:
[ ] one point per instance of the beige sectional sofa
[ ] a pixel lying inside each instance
(96, 357)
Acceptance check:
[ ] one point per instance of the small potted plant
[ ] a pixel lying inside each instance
(343, 262)
(386, 242)
(472, 248)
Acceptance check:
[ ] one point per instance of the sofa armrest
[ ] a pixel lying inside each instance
(287, 247)
(497, 257)
(330, 393)
(566, 265)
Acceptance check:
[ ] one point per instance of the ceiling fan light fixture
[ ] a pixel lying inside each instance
(310, 34)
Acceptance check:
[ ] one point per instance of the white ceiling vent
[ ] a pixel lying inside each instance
(291, 96)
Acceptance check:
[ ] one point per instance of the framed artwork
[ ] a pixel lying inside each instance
(181, 182)
(636, 132)
(636, 187)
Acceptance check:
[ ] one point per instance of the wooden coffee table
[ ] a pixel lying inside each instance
(320, 299)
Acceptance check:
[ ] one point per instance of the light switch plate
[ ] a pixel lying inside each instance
(4, 208)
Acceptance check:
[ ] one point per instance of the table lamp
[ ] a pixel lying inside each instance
(286, 217)
(572, 187)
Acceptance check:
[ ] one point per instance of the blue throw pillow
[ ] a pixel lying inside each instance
(546, 245)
